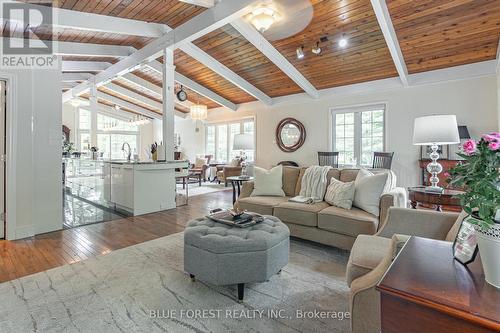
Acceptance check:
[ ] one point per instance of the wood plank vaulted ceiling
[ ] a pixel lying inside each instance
(432, 34)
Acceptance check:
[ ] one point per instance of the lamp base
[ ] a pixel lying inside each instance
(434, 189)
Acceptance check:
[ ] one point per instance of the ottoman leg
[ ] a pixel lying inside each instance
(241, 292)
(192, 277)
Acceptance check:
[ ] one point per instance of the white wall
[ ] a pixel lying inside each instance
(474, 101)
(37, 153)
(192, 141)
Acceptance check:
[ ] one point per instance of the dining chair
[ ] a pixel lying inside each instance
(382, 160)
(330, 158)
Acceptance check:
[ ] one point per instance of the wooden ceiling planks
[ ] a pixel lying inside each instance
(196, 71)
(444, 33)
(365, 58)
(230, 48)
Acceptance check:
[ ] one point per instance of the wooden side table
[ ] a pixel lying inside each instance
(426, 290)
(447, 198)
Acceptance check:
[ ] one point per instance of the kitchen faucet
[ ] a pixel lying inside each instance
(129, 150)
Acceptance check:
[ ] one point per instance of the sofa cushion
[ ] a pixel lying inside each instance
(333, 173)
(369, 188)
(262, 205)
(350, 222)
(340, 194)
(290, 176)
(366, 253)
(348, 175)
(299, 213)
(299, 181)
(268, 182)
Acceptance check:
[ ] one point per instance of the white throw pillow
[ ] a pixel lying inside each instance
(268, 182)
(340, 194)
(369, 188)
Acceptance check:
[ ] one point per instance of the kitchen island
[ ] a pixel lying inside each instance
(140, 187)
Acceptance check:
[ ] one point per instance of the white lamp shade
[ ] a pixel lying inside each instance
(440, 130)
(243, 142)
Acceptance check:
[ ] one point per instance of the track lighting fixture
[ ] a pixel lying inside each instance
(316, 49)
(300, 52)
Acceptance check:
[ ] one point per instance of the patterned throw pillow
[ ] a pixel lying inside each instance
(340, 194)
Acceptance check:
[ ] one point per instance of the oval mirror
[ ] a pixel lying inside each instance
(290, 135)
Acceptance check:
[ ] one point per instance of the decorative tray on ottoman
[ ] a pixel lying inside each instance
(240, 220)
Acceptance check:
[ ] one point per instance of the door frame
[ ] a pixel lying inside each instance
(11, 153)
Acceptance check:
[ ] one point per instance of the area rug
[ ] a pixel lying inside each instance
(205, 188)
(143, 288)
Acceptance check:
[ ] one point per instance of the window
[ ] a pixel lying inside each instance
(357, 133)
(111, 134)
(220, 138)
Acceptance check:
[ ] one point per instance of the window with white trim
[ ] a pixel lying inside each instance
(357, 132)
(111, 134)
(219, 138)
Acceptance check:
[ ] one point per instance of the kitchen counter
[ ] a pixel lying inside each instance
(141, 187)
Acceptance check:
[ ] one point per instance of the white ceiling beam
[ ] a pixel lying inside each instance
(84, 66)
(126, 104)
(201, 3)
(185, 81)
(253, 36)
(385, 23)
(198, 26)
(86, 49)
(71, 19)
(133, 95)
(74, 77)
(207, 60)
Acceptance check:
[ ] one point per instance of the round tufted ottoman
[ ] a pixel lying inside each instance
(222, 255)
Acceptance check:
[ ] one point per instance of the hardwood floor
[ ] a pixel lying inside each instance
(32, 255)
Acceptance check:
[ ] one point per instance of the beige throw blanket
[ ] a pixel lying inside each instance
(314, 182)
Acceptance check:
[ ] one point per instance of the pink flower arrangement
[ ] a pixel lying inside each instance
(470, 147)
(492, 139)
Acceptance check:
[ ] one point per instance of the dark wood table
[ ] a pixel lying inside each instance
(236, 182)
(438, 200)
(426, 290)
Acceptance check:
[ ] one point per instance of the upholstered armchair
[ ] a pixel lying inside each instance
(201, 165)
(371, 256)
(230, 170)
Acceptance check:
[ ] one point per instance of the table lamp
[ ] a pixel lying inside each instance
(434, 131)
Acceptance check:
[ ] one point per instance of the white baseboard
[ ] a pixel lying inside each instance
(25, 231)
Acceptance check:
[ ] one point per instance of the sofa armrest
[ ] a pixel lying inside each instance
(394, 198)
(246, 191)
(422, 223)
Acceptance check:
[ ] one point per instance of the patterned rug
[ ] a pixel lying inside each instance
(143, 288)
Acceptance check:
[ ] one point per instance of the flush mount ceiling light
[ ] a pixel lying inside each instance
(263, 17)
(300, 52)
(343, 42)
(316, 49)
(198, 112)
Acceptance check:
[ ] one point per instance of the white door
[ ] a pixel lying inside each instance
(2, 157)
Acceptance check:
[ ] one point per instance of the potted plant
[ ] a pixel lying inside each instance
(479, 174)
(94, 151)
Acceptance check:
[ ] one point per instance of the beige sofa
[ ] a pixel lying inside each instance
(321, 222)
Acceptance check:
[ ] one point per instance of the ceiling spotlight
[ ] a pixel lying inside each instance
(343, 42)
(117, 107)
(300, 52)
(263, 17)
(316, 49)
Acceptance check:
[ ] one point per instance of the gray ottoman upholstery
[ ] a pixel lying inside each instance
(223, 255)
